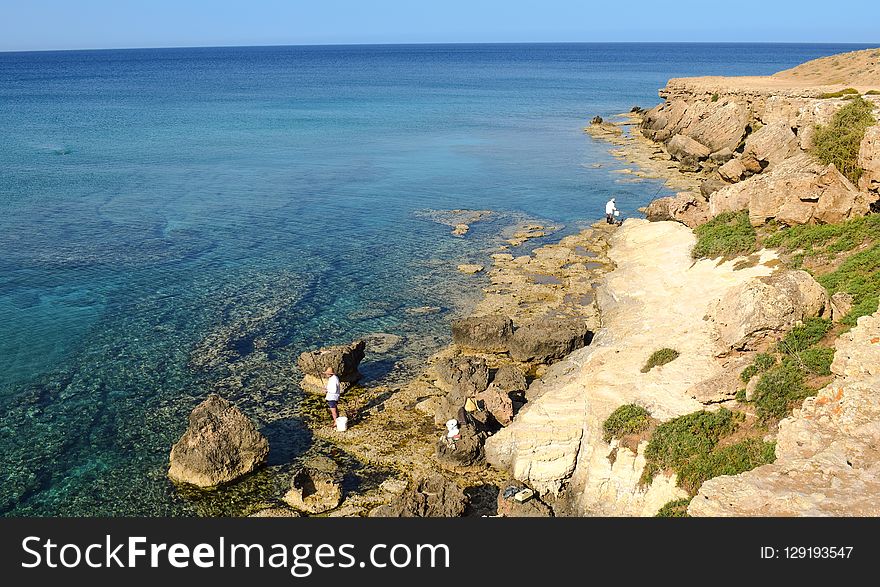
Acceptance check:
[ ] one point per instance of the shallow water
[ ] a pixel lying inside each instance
(175, 222)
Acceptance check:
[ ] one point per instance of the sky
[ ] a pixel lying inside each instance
(89, 24)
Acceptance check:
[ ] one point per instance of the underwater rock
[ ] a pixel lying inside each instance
(220, 445)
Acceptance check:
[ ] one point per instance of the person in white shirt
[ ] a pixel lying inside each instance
(611, 211)
(334, 389)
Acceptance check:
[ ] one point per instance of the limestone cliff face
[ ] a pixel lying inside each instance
(656, 297)
(827, 452)
(740, 134)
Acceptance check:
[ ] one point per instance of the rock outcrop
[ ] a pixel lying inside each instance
(548, 339)
(869, 160)
(733, 129)
(827, 455)
(430, 496)
(797, 191)
(483, 333)
(757, 312)
(464, 453)
(656, 297)
(343, 359)
(220, 445)
(686, 207)
(316, 487)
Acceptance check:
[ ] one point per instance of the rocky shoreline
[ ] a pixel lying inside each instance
(565, 335)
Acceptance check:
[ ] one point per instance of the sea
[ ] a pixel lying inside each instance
(177, 222)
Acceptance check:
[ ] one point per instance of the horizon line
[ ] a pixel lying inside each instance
(430, 43)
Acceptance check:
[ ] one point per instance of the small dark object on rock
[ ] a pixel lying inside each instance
(637, 109)
(596, 120)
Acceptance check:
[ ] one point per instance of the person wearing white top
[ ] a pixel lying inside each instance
(334, 390)
(611, 211)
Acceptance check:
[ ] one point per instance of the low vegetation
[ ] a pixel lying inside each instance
(660, 357)
(838, 142)
(782, 382)
(674, 509)
(872, 93)
(840, 94)
(728, 233)
(687, 437)
(856, 241)
(729, 460)
(627, 419)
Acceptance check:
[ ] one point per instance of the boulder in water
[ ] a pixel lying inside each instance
(220, 445)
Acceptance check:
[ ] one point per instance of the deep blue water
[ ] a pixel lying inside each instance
(252, 203)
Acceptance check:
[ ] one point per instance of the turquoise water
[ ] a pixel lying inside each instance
(174, 222)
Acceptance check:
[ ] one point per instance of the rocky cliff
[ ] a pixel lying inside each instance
(749, 139)
(827, 452)
(656, 297)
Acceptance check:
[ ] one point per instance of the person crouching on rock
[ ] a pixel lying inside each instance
(611, 212)
(333, 391)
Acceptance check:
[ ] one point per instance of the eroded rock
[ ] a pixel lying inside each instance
(548, 339)
(430, 496)
(343, 359)
(316, 487)
(220, 445)
(758, 311)
(483, 333)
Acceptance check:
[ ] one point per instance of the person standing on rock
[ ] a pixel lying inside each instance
(334, 389)
(611, 211)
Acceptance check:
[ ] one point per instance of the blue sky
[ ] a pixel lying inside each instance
(80, 24)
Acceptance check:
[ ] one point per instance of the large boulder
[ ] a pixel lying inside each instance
(772, 144)
(762, 310)
(497, 402)
(686, 207)
(510, 378)
(464, 453)
(732, 171)
(220, 445)
(549, 339)
(799, 190)
(722, 127)
(463, 374)
(483, 333)
(429, 496)
(343, 359)
(869, 160)
(683, 148)
(316, 487)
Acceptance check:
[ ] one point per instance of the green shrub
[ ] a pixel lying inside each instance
(804, 236)
(840, 94)
(627, 419)
(778, 391)
(675, 442)
(714, 97)
(762, 362)
(726, 234)
(814, 360)
(859, 276)
(674, 509)
(741, 396)
(839, 141)
(748, 373)
(730, 460)
(660, 357)
(805, 335)
(872, 93)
